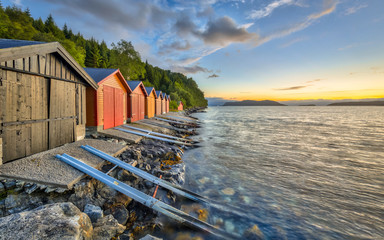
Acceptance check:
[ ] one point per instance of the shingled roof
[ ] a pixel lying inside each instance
(10, 43)
(159, 94)
(149, 90)
(99, 74)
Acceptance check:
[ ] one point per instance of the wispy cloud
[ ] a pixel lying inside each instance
(267, 10)
(329, 7)
(190, 70)
(307, 84)
(354, 9)
(314, 80)
(213, 76)
(290, 88)
(296, 40)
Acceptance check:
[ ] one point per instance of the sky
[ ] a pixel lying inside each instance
(237, 49)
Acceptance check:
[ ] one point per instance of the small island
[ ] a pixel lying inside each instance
(254, 103)
(372, 103)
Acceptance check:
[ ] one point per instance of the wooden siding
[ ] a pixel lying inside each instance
(150, 103)
(42, 105)
(163, 106)
(158, 106)
(137, 105)
(98, 119)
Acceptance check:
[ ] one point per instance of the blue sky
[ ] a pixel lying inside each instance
(275, 49)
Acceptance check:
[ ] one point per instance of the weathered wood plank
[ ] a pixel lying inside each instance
(58, 67)
(33, 64)
(43, 64)
(19, 64)
(26, 64)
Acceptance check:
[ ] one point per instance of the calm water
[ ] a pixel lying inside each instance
(298, 172)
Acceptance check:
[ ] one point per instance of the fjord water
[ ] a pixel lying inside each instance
(297, 172)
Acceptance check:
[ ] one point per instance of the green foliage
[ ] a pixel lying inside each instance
(173, 105)
(18, 24)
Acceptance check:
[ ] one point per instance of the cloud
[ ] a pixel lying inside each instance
(219, 32)
(131, 14)
(354, 9)
(17, 2)
(213, 76)
(292, 42)
(267, 10)
(177, 45)
(329, 7)
(190, 70)
(315, 80)
(290, 88)
(224, 31)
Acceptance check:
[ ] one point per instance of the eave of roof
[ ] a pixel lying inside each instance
(12, 53)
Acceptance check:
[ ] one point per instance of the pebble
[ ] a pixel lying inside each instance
(229, 227)
(228, 191)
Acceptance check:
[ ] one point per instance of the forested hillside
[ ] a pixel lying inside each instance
(16, 23)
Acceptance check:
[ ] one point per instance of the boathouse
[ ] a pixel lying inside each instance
(180, 106)
(42, 98)
(136, 101)
(168, 101)
(159, 95)
(164, 103)
(106, 106)
(150, 102)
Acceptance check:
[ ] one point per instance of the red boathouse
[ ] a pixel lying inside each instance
(136, 101)
(106, 107)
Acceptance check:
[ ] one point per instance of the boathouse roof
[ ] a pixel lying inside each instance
(98, 74)
(11, 49)
(159, 94)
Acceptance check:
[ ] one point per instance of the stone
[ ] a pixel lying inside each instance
(93, 212)
(203, 180)
(253, 233)
(120, 213)
(150, 237)
(52, 221)
(148, 184)
(2, 187)
(148, 167)
(229, 227)
(95, 136)
(31, 189)
(107, 192)
(123, 175)
(10, 184)
(228, 191)
(133, 163)
(15, 203)
(107, 228)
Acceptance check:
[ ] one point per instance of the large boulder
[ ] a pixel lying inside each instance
(53, 221)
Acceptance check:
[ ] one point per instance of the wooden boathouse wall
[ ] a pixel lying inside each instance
(106, 106)
(158, 103)
(163, 103)
(150, 102)
(42, 99)
(136, 101)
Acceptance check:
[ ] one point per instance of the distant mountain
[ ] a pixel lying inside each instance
(372, 103)
(254, 103)
(307, 105)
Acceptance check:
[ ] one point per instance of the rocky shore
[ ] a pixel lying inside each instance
(92, 210)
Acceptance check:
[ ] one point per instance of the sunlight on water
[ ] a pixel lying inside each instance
(299, 172)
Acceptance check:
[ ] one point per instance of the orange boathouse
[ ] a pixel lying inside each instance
(180, 106)
(106, 107)
(136, 101)
(42, 98)
(150, 102)
(159, 97)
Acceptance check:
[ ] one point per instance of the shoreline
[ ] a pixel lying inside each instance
(104, 212)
